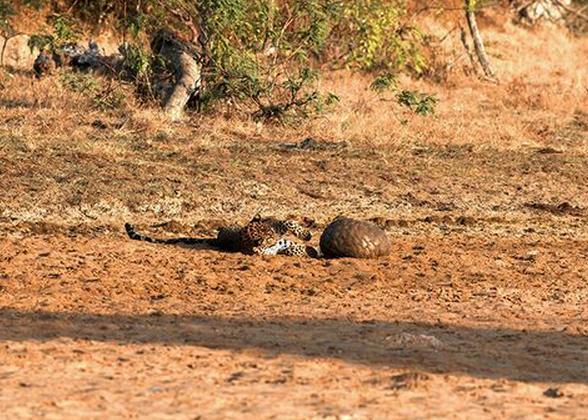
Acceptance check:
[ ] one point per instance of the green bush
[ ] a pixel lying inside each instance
(375, 36)
(259, 49)
(64, 32)
(262, 54)
(102, 97)
(418, 102)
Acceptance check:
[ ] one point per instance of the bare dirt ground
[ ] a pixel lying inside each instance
(481, 310)
(463, 326)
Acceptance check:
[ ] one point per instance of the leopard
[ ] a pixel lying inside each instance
(260, 236)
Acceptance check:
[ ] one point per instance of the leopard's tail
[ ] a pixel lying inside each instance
(133, 234)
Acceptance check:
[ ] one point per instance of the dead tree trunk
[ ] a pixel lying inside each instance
(187, 70)
(469, 51)
(477, 37)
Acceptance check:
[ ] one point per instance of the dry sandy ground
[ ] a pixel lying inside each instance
(455, 326)
(481, 311)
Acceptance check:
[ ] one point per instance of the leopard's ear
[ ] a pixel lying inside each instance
(257, 217)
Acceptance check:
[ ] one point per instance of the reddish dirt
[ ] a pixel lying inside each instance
(447, 326)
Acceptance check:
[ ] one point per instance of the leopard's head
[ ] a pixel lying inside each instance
(259, 232)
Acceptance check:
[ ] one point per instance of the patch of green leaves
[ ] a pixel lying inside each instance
(259, 53)
(102, 98)
(64, 32)
(384, 82)
(79, 82)
(139, 66)
(292, 99)
(420, 103)
(375, 36)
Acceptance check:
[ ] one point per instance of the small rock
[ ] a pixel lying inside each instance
(548, 150)
(16, 52)
(530, 256)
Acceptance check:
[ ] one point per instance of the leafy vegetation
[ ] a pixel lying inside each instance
(64, 33)
(384, 82)
(102, 97)
(376, 36)
(260, 56)
(419, 102)
(141, 67)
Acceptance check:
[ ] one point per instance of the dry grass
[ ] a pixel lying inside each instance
(97, 166)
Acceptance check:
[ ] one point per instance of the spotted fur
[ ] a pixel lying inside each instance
(261, 236)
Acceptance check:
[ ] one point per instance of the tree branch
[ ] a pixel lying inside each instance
(477, 38)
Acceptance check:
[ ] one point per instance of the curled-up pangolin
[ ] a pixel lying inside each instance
(345, 237)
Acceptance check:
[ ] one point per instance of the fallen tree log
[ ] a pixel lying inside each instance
(186, 68)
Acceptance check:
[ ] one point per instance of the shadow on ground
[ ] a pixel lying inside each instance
(545, 356)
